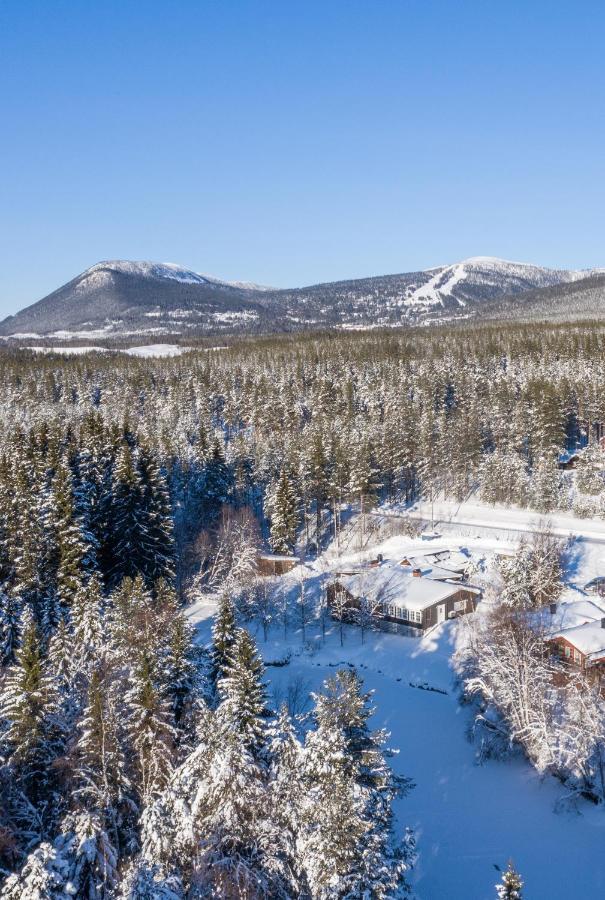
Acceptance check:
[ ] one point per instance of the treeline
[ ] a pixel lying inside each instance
(349, 418)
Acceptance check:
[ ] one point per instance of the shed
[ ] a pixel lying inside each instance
(275, 563)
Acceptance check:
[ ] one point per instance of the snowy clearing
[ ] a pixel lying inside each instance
(469, 818)
(146, 350)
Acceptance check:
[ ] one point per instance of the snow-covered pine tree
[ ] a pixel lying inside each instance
(285, 786)
(157, 547)
(238, 846)
(28, 703)
(146, 882)
(44, 876)
(151, 732)
(183, 675)
(510, 888)
(218, 479)
(10, 615)
(223, 637)
(104, 807)
(168, 827)
(283, 505)
(516, 573)
(130, 527)
(243, 709)
(332, 825)
(547, 566)
(343, 709)
(71, 548)
(545, 491)
(88, 626)
(89, 846)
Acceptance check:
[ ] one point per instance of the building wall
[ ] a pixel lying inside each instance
(573, 657)
(274, 566)
(430, 615)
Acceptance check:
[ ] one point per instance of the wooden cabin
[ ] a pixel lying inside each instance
(582, 646)
(393, 593)
(275, 563)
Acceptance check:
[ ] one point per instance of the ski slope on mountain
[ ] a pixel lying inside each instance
(120, 297)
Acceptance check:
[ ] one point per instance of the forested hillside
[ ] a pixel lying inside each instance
(133, 763)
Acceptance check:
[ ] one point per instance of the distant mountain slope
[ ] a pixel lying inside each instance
(117, 297)
(582, 299)
(122, 297)
(464, 289)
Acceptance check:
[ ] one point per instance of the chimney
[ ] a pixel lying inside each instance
(553, 608)
(417, 573)
(602, 623)
(379, 557)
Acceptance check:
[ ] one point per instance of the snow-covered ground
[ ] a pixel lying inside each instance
(146, 350)
(468, 517)
(469, 818)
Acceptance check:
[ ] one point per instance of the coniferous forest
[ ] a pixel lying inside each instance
(135, 763)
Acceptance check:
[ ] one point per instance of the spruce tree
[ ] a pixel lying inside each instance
(151, 732)
(364, 784)
(28, 702)
(88, 626)
(157, 538)
(104, 802)
(283, 507)
(243, 708)
(510, 888)
(71, 548)
(130, 525)
(223, 637)
(10, 614)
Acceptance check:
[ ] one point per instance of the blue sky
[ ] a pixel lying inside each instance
(295, 142)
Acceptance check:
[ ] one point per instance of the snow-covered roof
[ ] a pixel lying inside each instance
(570, 615)
(589, 638)
(430, 570)
(391, 583)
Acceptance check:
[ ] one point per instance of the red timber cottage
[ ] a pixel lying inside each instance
(400, 594)
(582, 646)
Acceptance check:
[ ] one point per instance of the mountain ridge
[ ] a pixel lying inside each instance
(124, 297)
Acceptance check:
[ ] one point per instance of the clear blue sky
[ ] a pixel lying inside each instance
(294, 142)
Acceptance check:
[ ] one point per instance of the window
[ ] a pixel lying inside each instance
(577, 656)
(567, 653)
(415, 616)
(459, 605)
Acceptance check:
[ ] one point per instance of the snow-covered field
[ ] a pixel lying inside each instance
(469, 818)
(146, 350)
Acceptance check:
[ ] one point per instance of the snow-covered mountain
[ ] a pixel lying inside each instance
(121, 297)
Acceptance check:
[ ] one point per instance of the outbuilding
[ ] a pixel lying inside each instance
(275, 563)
